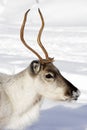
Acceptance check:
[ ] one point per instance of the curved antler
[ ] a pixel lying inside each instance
(22, 36)
(48, 59)
(39, 35)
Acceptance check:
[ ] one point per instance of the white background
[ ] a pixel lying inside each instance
(60, 12)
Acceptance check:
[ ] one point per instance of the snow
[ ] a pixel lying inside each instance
(67, 44)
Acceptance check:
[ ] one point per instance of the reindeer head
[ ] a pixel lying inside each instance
(47, 78)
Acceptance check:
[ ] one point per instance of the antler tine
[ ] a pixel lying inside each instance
(22, 36)
(48, 59)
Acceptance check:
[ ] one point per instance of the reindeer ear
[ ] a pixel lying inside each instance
(35, 66)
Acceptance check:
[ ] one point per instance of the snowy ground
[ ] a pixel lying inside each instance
(69, 47)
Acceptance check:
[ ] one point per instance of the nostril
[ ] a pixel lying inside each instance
(76, 94)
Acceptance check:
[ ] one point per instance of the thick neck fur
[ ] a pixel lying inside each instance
(25, 101)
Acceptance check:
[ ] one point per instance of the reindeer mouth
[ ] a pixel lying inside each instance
(73, 97)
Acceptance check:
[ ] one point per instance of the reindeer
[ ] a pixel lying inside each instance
(22, 94)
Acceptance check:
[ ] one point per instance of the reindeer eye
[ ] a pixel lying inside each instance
(48, 76)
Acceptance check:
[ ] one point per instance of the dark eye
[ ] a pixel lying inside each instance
(49, 76)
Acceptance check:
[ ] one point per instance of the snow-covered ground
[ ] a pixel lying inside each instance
(68, 45)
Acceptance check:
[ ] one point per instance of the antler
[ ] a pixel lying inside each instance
(47, 60)
(22, 36)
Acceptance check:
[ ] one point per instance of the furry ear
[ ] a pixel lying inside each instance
(35, 66)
